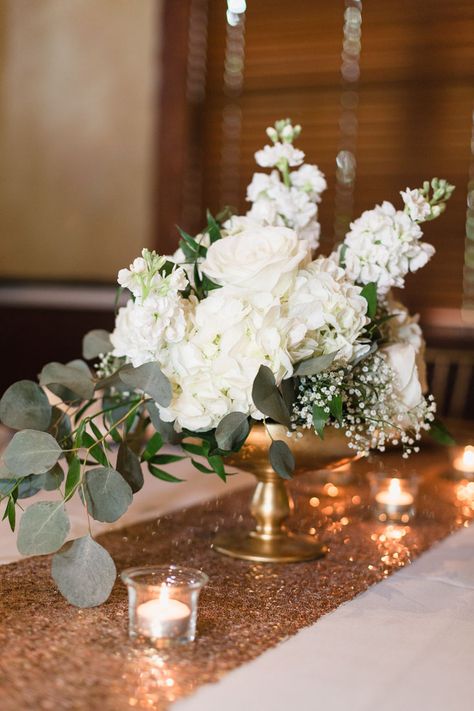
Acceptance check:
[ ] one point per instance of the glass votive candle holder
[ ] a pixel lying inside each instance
(462, 462)
(393, 497)
(163, 603)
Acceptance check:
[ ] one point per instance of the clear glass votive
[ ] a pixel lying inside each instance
(163, 603)
(393, 496)
(462, 462)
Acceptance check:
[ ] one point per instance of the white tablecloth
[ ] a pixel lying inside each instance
(407, 643)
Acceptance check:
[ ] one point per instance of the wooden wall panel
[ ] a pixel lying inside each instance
(415, 108)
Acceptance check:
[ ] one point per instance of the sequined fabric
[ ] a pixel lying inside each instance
(57, 657)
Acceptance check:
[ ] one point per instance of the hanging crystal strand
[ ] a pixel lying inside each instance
(346, 164)
(195, 93)
(468, 274)
(231, 113)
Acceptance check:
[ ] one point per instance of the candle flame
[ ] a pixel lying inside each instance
(468, 457)
(164, 594)
(394, 488)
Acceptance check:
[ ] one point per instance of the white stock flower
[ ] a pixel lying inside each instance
(416, 204)
(258, 259)
(310, 179)
(260, 184)
(145, 327)
(271, 156)
(142, 331)
(401, 357)
(331, 309)
(382, 246)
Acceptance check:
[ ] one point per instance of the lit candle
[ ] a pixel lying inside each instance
(464, 463)
(163, 617)
(394, 495)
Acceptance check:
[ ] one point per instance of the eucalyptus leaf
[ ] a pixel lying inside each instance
(149, 378)
(282, 459)
(232, 431)
(43, 528)
(70, 382)
(107, 494)
(313, 366)
(128, 465)
(288, 392)
(30, 485)
(166, 429)
(84, 572)
(95, 343)
(268, 399)
(25, 406)
(31, 452)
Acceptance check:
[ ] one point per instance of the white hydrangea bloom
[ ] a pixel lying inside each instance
(331, 309)
(271, 156)
(382, 246)
(416, 204)
(213, 370)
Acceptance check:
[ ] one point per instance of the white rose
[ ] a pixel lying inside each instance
(261, 259)
(401, 357)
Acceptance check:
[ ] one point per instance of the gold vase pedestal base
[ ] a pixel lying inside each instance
(272, 505)
(284, 548)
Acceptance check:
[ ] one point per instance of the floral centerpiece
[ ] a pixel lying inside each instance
(243, 324)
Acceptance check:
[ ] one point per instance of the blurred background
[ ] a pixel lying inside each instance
(120, 119)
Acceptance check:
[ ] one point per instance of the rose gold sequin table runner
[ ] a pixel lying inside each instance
(55, 656)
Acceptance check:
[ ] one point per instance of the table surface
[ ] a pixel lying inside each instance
(407, 642)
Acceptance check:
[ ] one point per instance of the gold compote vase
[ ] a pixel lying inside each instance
(270, 541)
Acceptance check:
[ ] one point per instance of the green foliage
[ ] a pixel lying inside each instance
(43, 528)
(107, 494)
(25, 406)
(232, 431)
(335, 406)
(315, 365)
(73, 478)
(267, 397)
(440, 433)
(95, 343)
(84, 572)
(320, 418)
(162, 474)
(282, 459)
(166, 429)
(369, 292)
(31, 452)
(70, 382)
(149, 378)
(128, 465)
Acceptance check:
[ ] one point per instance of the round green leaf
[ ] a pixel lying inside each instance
(282, 459)
(232, 431)
(149, 378)
(70, 382)
(84, 572)
(25, 406)
(43, 528)
(96, 343)
(128, 465)
(107, 494)
(31, 452)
